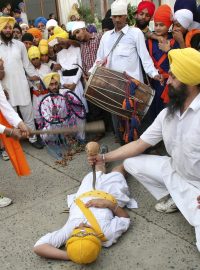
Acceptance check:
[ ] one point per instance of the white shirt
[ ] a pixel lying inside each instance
(127, 54)
(68, 58)
(9, 113)
(181, 136)
(24, 17)
(16, 62)
(112, 226)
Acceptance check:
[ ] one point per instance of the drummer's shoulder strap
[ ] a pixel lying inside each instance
(116, 42)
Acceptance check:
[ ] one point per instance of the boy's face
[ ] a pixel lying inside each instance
(28, 44)
(160, 29)
(36, 62)
(178, 27)
(44, 58)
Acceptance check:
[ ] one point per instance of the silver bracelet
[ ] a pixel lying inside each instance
(11, 132)
(116, 207)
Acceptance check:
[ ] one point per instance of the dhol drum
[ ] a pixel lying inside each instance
(110, 89)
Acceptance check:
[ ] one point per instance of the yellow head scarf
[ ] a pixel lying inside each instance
(47, 79)
(5, 20)
(83, 247)
(43, 46)
(58, 32)
(33, 52)
(74, 12)
(185, 65)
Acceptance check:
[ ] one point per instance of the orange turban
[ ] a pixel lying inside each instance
(35, 32)
(164, 14)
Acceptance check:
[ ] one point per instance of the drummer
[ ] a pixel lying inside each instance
(128, 51)
(178, 126)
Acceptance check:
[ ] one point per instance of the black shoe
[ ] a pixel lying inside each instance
(103, 149)
(37, 145)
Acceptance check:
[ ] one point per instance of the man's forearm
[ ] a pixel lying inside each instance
(50, 252)
(129, 150)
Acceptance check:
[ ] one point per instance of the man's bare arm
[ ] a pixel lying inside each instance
(50, 252)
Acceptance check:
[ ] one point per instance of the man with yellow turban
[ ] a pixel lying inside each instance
(41, 70)
(177, 174)
(17, 67)
(96, 219)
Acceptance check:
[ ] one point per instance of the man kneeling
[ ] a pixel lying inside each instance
(96, 219)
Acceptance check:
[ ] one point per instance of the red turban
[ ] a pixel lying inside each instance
(164, 14)
(148, 5)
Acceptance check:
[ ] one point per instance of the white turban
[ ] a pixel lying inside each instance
(119, 7)
(77, 25)
(51, 23)
(184, 17)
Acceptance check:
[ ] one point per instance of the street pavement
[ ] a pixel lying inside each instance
(155, 241)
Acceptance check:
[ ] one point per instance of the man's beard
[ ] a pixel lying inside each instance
(141, 25)
(5, 38)
(177, 98)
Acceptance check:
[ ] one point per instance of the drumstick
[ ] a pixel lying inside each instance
(92, 149)
(93, 127)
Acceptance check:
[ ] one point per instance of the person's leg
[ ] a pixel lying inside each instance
(147, 169)
(28, 117)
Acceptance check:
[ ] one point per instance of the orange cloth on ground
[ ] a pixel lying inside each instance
(14, 151)
(164, 14)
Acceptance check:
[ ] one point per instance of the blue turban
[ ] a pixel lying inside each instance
(187, 4)
(40, 20)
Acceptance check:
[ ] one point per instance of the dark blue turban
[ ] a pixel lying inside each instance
(187, 4)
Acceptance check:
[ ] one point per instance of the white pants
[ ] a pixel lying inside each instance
(28, 117)
(150, 170)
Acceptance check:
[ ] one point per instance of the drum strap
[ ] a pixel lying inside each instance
(111, 51)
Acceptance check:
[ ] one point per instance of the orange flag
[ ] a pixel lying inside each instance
(15, 151)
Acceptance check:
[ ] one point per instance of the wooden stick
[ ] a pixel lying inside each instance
(93, 127)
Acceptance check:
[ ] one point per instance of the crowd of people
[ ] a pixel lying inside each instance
(45, 61)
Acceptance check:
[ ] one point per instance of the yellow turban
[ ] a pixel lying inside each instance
(84, 246)
(58, 33)
(5, 20)
(47, 79)
(185, 65)
(33, 52)
(74, 12)
(43, 46)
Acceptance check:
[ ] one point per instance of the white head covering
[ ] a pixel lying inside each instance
(51, 23)
(69, 26)
(77, 25)
(184, 17)
(119, 7)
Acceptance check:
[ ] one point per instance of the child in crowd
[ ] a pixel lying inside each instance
(158, 50)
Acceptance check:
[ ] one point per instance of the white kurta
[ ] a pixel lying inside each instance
(112, 226)
(9, 113)
(127, 54)
(68, 58)
(178, 174)
(41, 72)
(16, 63)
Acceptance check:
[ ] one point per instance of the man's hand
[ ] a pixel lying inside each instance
(14, 133)
(34, 78)
(24, 130)
(160, 79)
(56, 67)
(97, 160)
(164, 45)
(101, 203)
(71, 86)
(178, 36)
